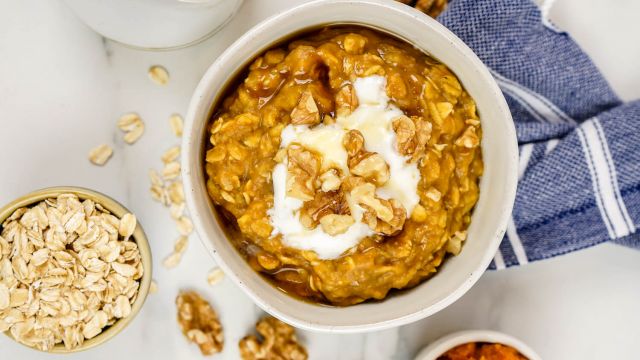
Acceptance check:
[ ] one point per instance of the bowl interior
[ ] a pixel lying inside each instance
(497, 186)
(139, 237)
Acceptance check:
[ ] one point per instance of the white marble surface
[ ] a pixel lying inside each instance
(62, 87)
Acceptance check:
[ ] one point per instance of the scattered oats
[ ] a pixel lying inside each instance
(171, 170)
(215, 276)
(128, 122)
(159, 75)
(172, 260)
(155, 178)
(176, 210)
(127, 226)
(181, 245)
(135, 134)
(176, 123)
(185, 226)
(176, 192)
(132, 125)
(100, 154)
(171, 155)
(159, 194)
(153, 287)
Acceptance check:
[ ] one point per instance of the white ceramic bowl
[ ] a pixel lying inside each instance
(442, 345)
(497, 186)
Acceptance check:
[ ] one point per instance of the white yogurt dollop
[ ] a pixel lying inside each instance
(373, 118)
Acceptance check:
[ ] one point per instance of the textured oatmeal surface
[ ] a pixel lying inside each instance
(310, 81)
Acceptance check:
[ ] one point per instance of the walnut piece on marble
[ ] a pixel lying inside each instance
(100, 154)
(279, 342)
(306, 112)
(199, 322)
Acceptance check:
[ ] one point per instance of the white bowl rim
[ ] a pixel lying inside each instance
(198, 101)
(445, 343)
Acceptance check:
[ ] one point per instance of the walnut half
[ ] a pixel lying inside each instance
(199, 322)
(279, 342)
(412, 135)
(368, 165)
(306, 112)
(383, 216)
(323, 204)
(302, 170)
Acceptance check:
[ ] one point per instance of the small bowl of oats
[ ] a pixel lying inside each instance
(75, 269)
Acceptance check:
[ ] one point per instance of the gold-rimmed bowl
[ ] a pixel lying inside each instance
(138, 237)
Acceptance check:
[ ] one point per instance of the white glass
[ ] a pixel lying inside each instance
(155, 24)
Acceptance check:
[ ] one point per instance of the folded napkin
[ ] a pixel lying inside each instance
(579, 170)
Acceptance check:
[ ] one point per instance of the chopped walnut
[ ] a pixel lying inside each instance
(405, 134)
(279, 342)
(469, 139)
(306, 112)
(365, 194)
(423, 134)
(330, 180)
(346, 100)
(324, 203)
(390, 227)
(302, 170)
(199, 322)
(383, 216)
(370, 166)
(334, 224)
(353, 142)
(412, 135)
(350, 182)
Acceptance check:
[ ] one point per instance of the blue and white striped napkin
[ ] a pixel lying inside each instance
(579, 144)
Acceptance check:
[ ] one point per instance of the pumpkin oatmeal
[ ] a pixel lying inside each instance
(345, 164)
(482, 351)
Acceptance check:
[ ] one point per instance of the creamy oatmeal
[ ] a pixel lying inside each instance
(345, 164)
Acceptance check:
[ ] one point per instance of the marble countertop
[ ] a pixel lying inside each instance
(62, 87)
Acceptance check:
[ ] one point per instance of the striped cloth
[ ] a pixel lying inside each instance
(579, 170)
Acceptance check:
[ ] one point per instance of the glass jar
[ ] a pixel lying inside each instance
(155, 24)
